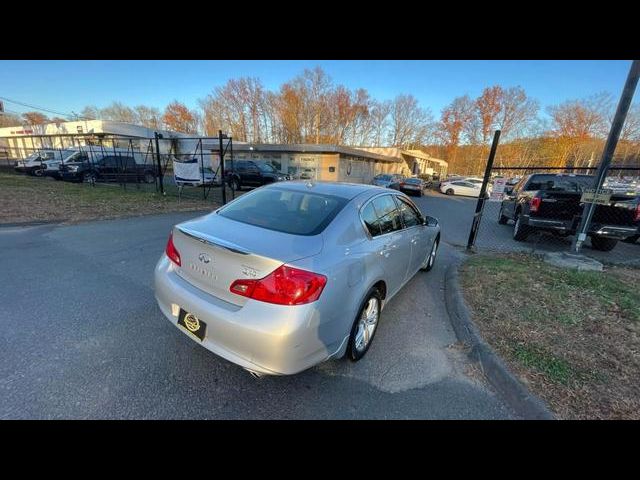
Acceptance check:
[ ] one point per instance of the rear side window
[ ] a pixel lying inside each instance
(287, 211)
(558, 183)
(370, 219)
(388, 214)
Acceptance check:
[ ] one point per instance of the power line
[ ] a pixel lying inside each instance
(41, 108)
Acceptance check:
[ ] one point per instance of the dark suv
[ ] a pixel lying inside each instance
(247, 173)
(119, 168)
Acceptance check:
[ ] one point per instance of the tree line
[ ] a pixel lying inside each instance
(310, 108)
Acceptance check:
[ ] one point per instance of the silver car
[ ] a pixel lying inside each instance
(388, 180)
(294, 273)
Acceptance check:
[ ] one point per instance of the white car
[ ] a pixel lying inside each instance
(32, 165)
(464, 187)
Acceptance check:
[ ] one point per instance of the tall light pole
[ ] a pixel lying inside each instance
(607, 155)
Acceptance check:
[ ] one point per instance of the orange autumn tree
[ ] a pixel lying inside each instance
(179, 118)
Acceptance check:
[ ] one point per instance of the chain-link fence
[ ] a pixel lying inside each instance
(184, 167)
(539, 209)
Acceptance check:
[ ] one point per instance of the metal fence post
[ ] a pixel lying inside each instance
(607, 154)
(160, 176)
(224, 183)
(477, 217)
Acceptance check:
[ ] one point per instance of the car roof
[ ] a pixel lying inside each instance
(338, 189)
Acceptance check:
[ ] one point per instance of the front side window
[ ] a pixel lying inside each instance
(387, 213)
(410, 216)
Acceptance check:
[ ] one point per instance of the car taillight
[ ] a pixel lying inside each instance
(636, 217)
(172, 251)
(534, 204)
(284, 286)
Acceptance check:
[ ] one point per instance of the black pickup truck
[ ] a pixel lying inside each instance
(119, 168)
(551, 202)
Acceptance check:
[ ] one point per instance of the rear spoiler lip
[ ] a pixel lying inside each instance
(216, 242)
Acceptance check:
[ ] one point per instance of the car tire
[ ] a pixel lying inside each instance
(520, 232)
(89, 177)
(38, 172)
(235, 184)
(450, 191)
(362, 334)
(502, 220)
(427, 265)
(603, 244)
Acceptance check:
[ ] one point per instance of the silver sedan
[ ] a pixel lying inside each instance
(292, 274)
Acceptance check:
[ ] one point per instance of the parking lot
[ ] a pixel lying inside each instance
(83, 338)
(456, 213)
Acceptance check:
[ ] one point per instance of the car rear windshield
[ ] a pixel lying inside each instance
(559, 183)
(383, 177)
(283, 210)
(413, 180)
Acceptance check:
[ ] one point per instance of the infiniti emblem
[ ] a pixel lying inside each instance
(204, 258)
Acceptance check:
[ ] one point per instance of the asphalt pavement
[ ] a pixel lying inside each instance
(455, 214)
(83, 339)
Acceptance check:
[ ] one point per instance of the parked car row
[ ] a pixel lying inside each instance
(409, 185)
(86, 165)
(552, 203)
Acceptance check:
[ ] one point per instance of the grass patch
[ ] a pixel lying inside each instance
(25, 199)
(556, 369)
(572, 336)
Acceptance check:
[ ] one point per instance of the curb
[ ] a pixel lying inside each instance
(35, 223)
(517, 396)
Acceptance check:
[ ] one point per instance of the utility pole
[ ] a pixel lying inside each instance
(224, 183)
(607, 154)
(477, 217)
(160, 176)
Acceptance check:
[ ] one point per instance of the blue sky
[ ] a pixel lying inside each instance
(70, 85)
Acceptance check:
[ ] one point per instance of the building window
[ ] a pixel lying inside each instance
(79, 128)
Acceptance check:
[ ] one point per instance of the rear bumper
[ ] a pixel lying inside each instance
(570, 226)
(266, 338)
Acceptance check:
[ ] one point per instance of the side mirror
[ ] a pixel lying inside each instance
(430, 221)
(508, 190)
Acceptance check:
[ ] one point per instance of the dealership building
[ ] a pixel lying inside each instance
(340, 163)
(307, 161)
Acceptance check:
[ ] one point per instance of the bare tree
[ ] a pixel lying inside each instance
(118, 112)
(380, 112)
(517, 112)
(34, 118)
(9, 120)
(409, 122)
(149, 117)
(90, 112)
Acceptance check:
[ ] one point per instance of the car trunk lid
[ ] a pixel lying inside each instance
(215, 251)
